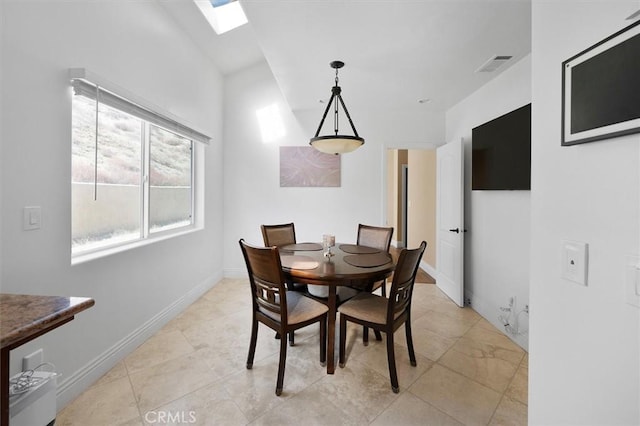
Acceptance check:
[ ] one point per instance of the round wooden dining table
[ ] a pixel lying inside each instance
(349, 265)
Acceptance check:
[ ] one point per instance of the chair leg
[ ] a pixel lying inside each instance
(291, 338)
(412, 355)
(283, 361)
(252, 344)
(343, 340)
(365, 335)
(383, 289)
(323, 341)
(391, 357)
(378, 335)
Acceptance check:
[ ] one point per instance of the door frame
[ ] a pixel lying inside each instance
(404, 233)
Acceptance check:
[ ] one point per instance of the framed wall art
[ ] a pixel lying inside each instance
(304, 166)
(601, 89)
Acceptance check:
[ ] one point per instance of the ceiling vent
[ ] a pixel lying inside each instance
(494, 63)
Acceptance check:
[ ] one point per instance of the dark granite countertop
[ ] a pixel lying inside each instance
(22, 316)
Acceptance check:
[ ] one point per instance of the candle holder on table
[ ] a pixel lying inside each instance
(328, 241)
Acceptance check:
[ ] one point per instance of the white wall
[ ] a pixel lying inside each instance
(252, 188)
(498, 222)
(1, 131)
(137, 46)
(584, 340)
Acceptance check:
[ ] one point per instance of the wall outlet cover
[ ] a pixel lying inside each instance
(31, 218)
(575, 261)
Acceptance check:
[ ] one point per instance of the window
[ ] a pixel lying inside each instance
(132, 172)
(222, 15)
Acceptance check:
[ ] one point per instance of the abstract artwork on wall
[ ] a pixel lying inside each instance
(304, 166)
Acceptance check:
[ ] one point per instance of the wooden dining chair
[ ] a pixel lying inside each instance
(377, 237)
(279, 309)
(386, 315)
(278, 235)
(281, 235)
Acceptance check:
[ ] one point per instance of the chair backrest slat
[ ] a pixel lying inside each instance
(404, 278)
(278, 235)
(267, 296)
(375, 236)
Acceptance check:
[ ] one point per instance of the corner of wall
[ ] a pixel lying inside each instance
(2, 138)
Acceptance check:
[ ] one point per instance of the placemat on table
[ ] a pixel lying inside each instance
(298, 262)
(302, 247)
(368, 260)
(355, 249)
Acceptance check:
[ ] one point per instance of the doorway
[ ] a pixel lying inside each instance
(411, 200)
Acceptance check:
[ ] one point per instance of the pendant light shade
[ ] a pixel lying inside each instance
(336, 143)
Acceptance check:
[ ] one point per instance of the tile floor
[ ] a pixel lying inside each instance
(193, 372)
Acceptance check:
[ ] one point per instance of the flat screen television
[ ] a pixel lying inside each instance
(501, 152)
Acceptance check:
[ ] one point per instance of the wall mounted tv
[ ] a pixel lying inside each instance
(501, 152)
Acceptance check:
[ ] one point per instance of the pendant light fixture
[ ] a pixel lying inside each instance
(336, 143)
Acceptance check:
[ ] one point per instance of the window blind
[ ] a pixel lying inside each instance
(89, 89)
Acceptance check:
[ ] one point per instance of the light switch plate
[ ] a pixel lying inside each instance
(31, 218)
(575, 261)
(633, 280)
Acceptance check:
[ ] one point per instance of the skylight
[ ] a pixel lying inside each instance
(223, 15)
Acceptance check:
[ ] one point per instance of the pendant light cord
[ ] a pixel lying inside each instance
(335, 110)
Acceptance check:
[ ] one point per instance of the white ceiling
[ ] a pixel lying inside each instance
(396, 51)
(231, 51)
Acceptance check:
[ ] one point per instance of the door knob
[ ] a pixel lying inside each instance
(457, 230)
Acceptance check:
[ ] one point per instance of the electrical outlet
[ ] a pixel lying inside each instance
(31, 361)
(467, 301)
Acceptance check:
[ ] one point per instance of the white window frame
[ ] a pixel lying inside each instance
(83, 80)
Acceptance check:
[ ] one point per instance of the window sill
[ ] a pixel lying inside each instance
(87, 257)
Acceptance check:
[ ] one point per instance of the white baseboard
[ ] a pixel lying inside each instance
(71, 387)
(429, 269)
(397, 244)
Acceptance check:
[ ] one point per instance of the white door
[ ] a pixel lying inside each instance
(450, 221)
